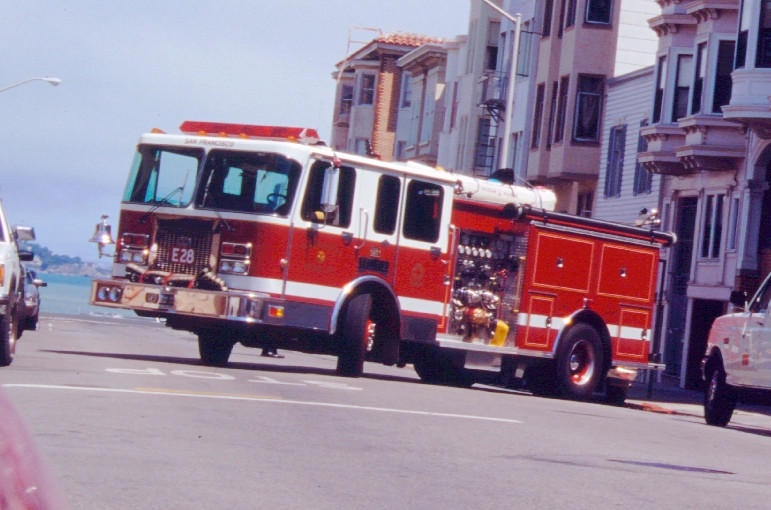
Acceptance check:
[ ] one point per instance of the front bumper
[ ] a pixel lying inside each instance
(246, 307)
(231, 305)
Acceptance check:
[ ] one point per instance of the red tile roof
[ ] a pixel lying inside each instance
(407, 39)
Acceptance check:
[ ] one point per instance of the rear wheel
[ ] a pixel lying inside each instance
(215, 347)
(719, 398)
(354, 336)
(579, 362)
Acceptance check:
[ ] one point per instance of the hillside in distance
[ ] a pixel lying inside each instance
(49, 262)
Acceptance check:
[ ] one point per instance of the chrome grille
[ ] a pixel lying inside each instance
(184, 247)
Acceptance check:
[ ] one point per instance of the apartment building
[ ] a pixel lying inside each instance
(582, 44)
(467, 139)
(369, 95)
(699, 155)
(421, 104)
(625, 187)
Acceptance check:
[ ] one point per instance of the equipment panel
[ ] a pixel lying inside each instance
(487, 287)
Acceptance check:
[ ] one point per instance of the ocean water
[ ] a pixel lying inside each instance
(69, 295)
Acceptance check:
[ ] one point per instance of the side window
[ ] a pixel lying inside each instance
(598, 11)
(616, 150)
(423, 213)
(367, 89)
(312, 201)
(387, 204)
(713, 226)
(588, 105)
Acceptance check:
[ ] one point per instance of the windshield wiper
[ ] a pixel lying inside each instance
(166, 200)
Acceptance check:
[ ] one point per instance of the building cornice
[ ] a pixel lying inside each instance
(670, 23)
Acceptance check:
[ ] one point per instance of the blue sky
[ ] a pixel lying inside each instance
(127, 67)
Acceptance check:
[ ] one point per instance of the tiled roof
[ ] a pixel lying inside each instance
(403, 39)
(406, 39)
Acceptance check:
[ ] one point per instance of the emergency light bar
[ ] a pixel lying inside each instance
(302, 135)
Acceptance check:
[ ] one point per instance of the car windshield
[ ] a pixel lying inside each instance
(163, 176)
(255, 182)
(761, 299)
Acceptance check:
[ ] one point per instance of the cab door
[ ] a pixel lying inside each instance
(321, 257)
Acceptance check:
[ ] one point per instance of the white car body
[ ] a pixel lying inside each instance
(12, 305)
(738, 356)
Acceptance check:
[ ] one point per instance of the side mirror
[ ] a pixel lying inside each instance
(37, 282)
(24, 233)
(26, 256)
(329, 189)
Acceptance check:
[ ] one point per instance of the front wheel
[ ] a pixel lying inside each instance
(579, 362)
(719, 399)
(8, 337)
(354, 336)
(214, 347)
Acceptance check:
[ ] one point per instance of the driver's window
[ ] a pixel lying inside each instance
(312, 208)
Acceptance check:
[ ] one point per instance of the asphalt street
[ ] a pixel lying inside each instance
(127, 417)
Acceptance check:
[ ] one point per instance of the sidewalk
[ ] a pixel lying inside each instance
(667, 397)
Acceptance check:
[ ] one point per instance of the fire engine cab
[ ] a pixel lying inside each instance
(264, 236)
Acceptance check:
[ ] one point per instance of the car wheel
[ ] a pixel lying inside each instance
(719, 398)
(8, 336)
(30, 323)
(214, 347)
(579, 362)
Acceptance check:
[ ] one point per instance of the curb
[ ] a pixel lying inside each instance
(654, 408)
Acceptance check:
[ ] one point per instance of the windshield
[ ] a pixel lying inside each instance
(163, 176)
(248, 182)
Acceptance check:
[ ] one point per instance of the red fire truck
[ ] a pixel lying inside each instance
(264, 236)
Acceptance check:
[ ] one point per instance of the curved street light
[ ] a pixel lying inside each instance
(52, 81)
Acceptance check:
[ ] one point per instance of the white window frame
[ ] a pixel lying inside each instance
(361, 90)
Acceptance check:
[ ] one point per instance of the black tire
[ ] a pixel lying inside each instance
(214, 347)
(579, 362)
(719, 397)
(30, 323)
(354, 336)
(435, 366)
(541, 379)
(8, 337)
(616, 395)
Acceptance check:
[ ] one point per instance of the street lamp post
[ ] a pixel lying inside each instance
(517, 20)
(52, 81)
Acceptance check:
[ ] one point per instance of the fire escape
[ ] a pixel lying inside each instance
(494, 105)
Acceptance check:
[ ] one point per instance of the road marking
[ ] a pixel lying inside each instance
(269, 380)
(260, 398)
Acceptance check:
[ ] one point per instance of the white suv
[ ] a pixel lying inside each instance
(738, 358)
(12, 308)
